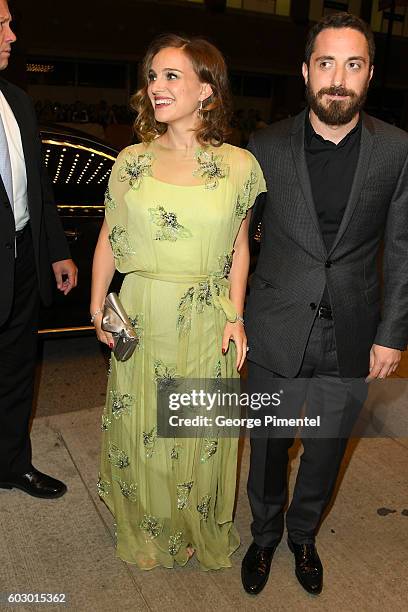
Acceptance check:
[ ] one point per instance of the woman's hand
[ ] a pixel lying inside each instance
(236, 333)
(103, 336)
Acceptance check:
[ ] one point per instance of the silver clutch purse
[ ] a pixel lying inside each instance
(116, 321)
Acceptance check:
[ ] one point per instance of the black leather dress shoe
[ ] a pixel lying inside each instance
(35, 483)
(309, 569)
(255, 568)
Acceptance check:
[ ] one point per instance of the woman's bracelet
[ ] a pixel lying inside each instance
(240, 319)
(96, 314)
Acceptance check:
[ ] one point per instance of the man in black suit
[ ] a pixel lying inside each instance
(32, 247)
(337, 184)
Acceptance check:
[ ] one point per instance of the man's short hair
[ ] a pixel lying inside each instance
(340, 20)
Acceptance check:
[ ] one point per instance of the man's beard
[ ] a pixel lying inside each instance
(337, 112)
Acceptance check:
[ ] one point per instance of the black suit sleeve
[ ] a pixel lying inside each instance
(57, 244)
(393, 329)
(255, 225)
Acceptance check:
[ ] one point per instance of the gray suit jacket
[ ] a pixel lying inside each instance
(294, 266)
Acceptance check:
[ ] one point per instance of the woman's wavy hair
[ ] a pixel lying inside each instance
(209, 65)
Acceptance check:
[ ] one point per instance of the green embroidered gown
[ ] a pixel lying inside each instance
(175, 245)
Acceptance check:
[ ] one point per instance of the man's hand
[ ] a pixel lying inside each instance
(65, 267)
(383, 361)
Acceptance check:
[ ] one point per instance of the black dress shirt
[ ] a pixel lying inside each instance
(331, 171)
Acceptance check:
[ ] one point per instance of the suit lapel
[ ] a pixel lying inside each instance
(366, 147)
(297, 141)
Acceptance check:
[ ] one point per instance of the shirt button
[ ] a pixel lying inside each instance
(8, 245)
(328, 263)
(313, 306)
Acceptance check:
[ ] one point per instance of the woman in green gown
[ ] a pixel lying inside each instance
(176, 225)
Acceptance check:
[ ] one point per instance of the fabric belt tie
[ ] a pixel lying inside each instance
(221, 302)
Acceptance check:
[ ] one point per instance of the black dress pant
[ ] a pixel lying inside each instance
(338, 402)
(18, 343)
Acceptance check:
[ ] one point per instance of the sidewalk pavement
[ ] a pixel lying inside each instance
(66, 545)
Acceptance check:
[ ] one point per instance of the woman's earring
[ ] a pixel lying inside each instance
(200, 109)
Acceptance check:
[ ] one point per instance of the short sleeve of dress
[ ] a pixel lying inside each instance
(113, 193)
(131, 166)
(252, 184)
(128, 171)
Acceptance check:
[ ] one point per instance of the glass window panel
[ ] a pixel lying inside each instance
(260, 6)
(379, 19)
(101, 75)
(283, 7)
(316, 10)
(354, 7)
(333, 7)
(376, 17)
(398, 24)
(50, 72)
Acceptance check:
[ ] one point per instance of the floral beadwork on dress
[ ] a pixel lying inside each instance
(203, 293)
(164, 375)
(151, 525)
(204, 507)
(183, 492)
(119, 241)
(137, 324)
(217, 370)
(103, 487)
(242, 203)
(149, 441)
(106, 422)
(169, 228)
(211, 167)
(118, 457)
(175, 452)
(175, 542)
(209, 449)
(121, 404)
(110, 203)
(184, 311)
(134, 168)
(129, 490)
(224, 265)
(203, 296)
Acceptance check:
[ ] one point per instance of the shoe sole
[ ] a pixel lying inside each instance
(38, 495)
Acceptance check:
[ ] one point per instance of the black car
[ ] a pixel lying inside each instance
(79, 166)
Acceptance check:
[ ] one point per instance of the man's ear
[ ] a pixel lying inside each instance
(305, 72)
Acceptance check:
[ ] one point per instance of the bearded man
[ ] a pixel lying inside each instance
(337, 184)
